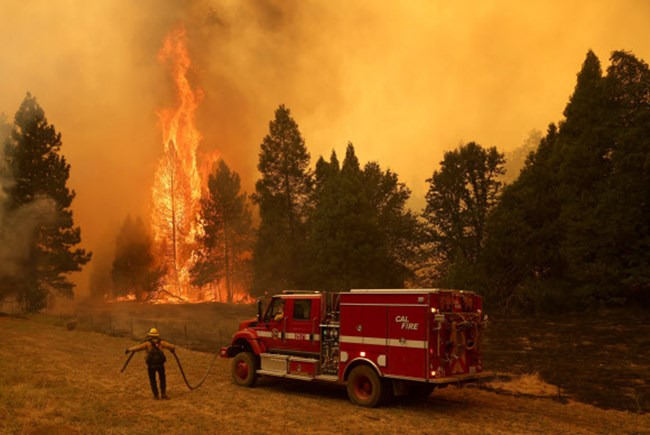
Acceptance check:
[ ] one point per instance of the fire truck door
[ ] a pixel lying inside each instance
(407, 345)
(302, 327)
(273, 329)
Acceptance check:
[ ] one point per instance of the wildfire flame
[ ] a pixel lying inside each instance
(178, 182)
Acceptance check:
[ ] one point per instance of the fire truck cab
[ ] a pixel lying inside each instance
(378, 343)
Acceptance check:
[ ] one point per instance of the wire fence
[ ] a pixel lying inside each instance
(201, 335)
(205, 329)
(9, 306)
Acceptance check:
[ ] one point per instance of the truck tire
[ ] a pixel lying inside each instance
(243, 369)
(364, 386)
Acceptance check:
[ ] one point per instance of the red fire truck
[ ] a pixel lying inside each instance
(377, 342)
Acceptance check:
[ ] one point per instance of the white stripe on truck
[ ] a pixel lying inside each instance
(289, 335)
(395, 342)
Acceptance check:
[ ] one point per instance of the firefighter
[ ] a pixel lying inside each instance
(155, 359)
(279, 314)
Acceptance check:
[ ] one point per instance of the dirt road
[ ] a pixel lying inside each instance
(58, 381)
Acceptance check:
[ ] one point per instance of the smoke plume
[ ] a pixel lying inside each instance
(404, 81)
(18, 226)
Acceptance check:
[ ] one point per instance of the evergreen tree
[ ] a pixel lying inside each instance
(134, 269)
(459, 198)
(5, 173)
(227, 237)
(282, 194)
(623, 233)
(360, 233)
(39, 171)
(522, 234)
(581, 168)
(573, 229)
(5, 128)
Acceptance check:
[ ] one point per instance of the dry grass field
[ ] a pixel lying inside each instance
(57, 381)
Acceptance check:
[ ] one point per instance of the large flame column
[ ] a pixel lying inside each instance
(176, 190)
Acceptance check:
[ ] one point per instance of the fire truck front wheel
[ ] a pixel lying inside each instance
(243, 369)
(364, 386)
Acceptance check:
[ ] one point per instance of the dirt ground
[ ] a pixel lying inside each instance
(58, 381)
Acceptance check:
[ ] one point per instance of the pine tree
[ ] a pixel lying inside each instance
(282, 194)
(361, 235)
(39, 171)
(459, 198)
(523, 236)
(581, 170)
(227, 224)
(134, 268)
(623, 235)
(574, 228)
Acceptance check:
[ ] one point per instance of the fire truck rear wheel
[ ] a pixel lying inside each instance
(243, 369)
(364, 386)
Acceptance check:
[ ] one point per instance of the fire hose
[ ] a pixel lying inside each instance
(126, 363)
(180, 367)
(178, 361)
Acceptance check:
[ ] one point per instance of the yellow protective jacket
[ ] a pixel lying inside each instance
(148, 347)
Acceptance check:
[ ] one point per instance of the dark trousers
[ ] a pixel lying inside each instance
(152, 379)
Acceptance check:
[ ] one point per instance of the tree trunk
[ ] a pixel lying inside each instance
(172, 194)
(227, 264)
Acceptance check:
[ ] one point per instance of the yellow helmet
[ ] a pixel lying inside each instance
(153, 332)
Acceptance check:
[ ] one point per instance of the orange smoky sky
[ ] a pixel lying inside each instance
(404, 81)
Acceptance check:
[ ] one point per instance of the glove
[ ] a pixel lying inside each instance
(126, 352)
(173, 350)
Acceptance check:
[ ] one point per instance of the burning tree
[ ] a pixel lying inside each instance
(179, 227)
(177, 184)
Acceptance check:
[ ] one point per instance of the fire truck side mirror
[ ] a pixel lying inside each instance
(259, 309)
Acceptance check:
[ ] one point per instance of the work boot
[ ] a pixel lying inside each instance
(165, 396)
(155, 397)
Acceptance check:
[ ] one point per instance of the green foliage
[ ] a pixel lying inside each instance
(360, 233)
(574, 228)
(282, 194)
(226, 242)
(522, 232)
(134, 268)
(459, 198)
(40, 175)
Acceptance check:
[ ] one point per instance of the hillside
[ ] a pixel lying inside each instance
(59, 381)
